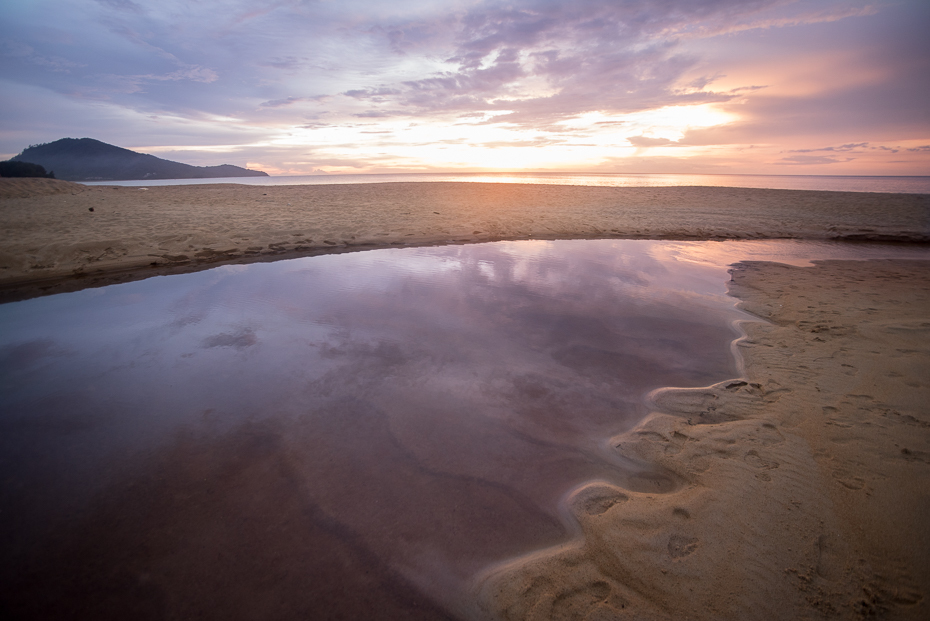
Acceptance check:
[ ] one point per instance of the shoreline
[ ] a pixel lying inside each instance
(51, 241)
(803, 479)
(802, 482)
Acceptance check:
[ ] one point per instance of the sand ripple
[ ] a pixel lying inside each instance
(805, 492)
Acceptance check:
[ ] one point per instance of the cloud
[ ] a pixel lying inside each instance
(289, 63)
(191, 73)
(539, 60)
(122, 5)
(546, 61)
(18, 50)
(277, 103)
(539, 142)
(376, 114)
(584, 55)
(645, 141)
(842, 148)
(287, 101)
(856, 147)
(890, 108)
(754, 22)
(375, 94)
(809, 160)
(534, 68)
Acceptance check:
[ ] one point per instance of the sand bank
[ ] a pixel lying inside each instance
(803, 487)
(51, 241)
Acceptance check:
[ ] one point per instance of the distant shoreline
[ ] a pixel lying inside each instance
(59, 236)
(908, 184)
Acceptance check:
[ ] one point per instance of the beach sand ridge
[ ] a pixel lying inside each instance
(60, 236)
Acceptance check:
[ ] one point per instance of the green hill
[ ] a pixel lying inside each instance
(9, 168)
(86, 159)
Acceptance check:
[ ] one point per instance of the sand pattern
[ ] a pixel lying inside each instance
(802, 487)
(59, 236)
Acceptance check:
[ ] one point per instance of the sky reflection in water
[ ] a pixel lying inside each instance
(389, 421)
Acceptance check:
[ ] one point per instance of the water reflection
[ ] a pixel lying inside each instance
(347, 435)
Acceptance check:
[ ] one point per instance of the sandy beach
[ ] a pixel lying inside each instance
(800, 487)
(60, 236)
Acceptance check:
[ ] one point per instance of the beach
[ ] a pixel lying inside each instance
(59, 236)
(802, 486)
(797, 489)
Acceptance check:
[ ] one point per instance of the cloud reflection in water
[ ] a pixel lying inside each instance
(417, 412)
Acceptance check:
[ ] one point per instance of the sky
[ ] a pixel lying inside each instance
(296, 87)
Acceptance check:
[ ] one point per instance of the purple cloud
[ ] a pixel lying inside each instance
(376, 114)
(645, 141)
(842, 148)
(594, 55)
(809, 160)
(119, 68)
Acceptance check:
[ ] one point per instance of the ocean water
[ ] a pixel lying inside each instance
(904, 185)
(342, 436)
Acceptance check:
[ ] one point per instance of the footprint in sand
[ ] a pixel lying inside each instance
(588, 598)
(672, 445)
(757, 461)
(911, 455)
(680, 546)
(597, 499)
(847, 480)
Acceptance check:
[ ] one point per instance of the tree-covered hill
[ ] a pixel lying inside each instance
(11, 168)
(86, 159)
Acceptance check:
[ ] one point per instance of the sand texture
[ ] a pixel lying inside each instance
(803, 488)
(52, 241)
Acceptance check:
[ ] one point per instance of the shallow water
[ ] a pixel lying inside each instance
(353, 434)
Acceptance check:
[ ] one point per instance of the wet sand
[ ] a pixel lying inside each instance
(804, 484)
(51, 241)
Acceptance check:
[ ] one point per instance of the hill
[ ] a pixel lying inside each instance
(86, 159)
(9, 168)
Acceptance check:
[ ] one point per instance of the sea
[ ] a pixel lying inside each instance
(831, 183)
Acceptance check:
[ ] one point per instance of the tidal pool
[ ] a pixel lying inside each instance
(345, 436)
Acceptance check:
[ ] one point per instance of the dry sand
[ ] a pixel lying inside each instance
(52, 242)
(804, 487)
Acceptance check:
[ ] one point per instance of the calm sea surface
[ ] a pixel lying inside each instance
(345, 436)
(904, 185)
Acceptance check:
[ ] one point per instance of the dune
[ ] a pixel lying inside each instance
(29, 187)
